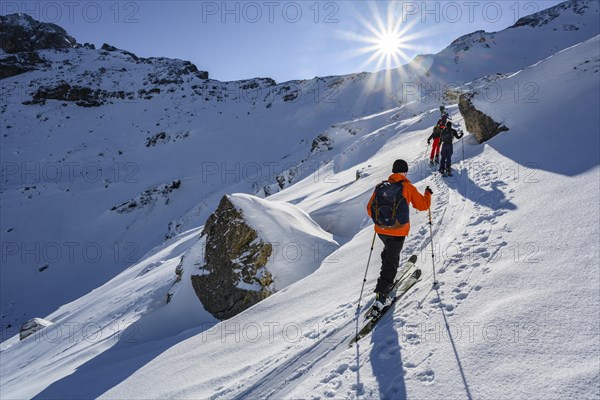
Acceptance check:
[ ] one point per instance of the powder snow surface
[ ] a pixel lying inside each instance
(516, 240)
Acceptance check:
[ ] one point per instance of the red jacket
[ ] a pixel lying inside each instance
(412, 196)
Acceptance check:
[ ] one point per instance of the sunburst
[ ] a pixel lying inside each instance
(388, 41)
(389, 44)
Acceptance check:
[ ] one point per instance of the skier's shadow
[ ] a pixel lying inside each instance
(494, 199)
(386, 360)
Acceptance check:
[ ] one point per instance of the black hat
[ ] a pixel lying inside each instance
(449, 123)
(400, 166)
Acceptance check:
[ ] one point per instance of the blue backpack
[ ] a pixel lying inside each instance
(389, 208)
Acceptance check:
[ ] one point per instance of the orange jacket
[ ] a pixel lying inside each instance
(412, 196)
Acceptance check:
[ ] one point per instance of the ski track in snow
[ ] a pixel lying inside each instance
(451, 203)
(448, 205)
(295, 370)
(471, 228)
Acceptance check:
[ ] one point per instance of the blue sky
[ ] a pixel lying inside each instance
(283, 40)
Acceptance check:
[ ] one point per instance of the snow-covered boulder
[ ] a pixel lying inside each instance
(32, 326)
(255, 247)
(482, 125)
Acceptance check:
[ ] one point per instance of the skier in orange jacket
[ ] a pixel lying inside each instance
(393, 237)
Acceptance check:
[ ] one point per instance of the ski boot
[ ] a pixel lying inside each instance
(381, 301)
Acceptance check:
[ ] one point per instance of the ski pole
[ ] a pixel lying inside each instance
(426, 151)
(366, 270)
(435, 282)
(462, 144)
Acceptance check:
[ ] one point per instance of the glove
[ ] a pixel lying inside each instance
(428, 141)
(428, 190)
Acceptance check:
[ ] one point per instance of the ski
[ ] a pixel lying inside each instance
(403, 287)
(404, 272)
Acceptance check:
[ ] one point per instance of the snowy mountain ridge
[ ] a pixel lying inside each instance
(465, 339)
(55, 148)
(123, 340)
(22, 33)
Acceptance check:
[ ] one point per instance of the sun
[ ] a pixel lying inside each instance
(387, 39)
(389, 44)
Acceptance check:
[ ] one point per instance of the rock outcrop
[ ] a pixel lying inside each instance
(20, 33)
(16, 64)
(148, 198)
(80, 95)
(546, 16)
(32, 326)
(482, 125)
(234, 276)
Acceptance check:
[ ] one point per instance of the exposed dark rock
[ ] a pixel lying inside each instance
(234, 276)
(32, 326)
(22, 62)
(266, 81)
(179, 275)
(108, 47)
(82, 96)
(160, 137)
(249, 84)
(287, 177)
(476, 121)
(284, 179)
(163, 138)
(546, 16)
(20, 33)
(321, 143)
(190, 68)
(148, 198)
(291, 96)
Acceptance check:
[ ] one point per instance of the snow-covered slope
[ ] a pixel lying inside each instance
(477, 54)
(153, 145)
(515, 315)
(151, 303)
(516, 238)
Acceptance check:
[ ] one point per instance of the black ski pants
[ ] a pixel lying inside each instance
(446, 160)
(390, 258)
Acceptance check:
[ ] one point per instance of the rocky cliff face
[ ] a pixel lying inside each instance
(476, 121)
(234, 276)
(29, 45)
(21, 33)
(21, 36)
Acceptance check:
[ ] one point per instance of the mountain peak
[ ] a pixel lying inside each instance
(546, 16)
(21, 33)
